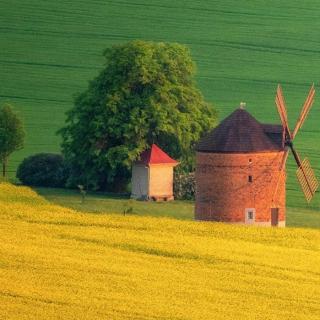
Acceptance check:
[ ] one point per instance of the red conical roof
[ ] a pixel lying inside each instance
(155, 155)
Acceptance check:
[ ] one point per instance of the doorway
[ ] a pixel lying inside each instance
(274, 217)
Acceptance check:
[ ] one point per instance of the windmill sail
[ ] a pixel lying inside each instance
(282, 110)
(281, 173)
(305, 110)
(307, 179)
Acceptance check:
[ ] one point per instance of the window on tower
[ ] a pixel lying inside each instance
(250, 215)
(250, 179)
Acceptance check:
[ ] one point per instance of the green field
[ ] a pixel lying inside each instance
(50, 49)
(182, 210)
(102, 203)
(57, 263)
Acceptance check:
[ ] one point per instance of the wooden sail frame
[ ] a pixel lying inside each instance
(305, 174)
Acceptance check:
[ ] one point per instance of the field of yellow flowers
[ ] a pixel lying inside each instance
(56, 263)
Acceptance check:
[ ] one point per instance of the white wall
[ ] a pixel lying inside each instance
(139, 181)
(161, 180)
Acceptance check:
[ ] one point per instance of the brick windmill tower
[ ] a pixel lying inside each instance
(240, 168)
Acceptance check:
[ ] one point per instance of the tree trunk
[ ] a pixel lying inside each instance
(4, 167)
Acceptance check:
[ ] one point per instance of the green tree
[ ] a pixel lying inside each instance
(145, 94)
(11, 135)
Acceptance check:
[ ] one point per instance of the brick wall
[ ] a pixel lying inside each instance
(223, 190)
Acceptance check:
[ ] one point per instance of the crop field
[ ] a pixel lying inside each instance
(50, 49)
(57, 263)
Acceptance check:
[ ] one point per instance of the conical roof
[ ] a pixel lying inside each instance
(155, 155)
(241, 132)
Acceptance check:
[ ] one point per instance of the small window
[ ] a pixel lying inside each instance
(250, 179)
(250, 215)
(250, 161)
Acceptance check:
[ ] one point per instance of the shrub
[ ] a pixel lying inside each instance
(184, 186)
(43, 170)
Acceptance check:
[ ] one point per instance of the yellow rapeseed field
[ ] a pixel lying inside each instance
(56, 263)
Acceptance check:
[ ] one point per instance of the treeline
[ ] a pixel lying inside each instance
(146, 93)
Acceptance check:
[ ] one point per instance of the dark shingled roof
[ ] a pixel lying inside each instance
(241, 132)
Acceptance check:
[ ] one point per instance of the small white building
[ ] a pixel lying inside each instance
(152, 175)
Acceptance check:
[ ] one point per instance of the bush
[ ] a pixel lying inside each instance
(43, 170)
(184, 186)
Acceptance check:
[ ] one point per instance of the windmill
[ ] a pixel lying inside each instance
(305, 174)
(240, 168)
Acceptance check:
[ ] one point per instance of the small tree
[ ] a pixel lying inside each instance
(11, 135)
(145, 94)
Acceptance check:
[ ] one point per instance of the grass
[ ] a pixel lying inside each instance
(50, 49)
(102, 203)
(182, 210)
(57, 263)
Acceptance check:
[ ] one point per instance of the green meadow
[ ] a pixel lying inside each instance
(101, 203)
(243, 49)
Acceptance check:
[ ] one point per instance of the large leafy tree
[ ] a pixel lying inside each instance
(145, 94)
(11, 135)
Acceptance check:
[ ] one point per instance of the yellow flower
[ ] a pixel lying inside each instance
(56, 263)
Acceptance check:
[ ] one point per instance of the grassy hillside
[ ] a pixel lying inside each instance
(50, 49)
(57, 263)
(182, 210)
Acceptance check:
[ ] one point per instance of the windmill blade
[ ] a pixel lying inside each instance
(284, 160)
(305, 110)
(279, 100)
(307, 179)
(281, 172)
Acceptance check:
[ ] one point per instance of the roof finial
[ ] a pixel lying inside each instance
(242, 105)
